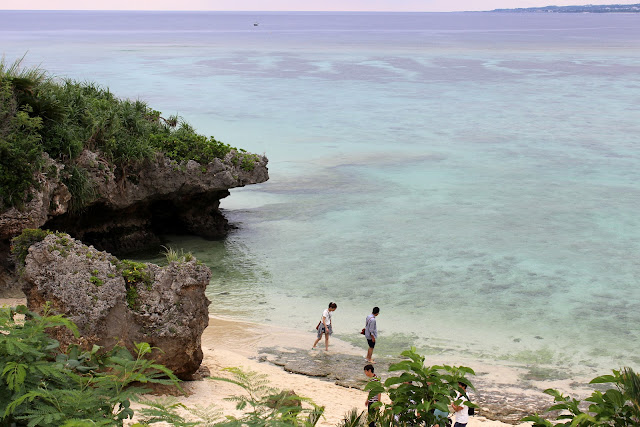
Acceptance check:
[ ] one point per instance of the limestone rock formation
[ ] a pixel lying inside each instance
(51, 198)
(121, 302)
(129, 208)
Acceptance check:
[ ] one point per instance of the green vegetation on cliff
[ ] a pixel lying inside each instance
(40, 114)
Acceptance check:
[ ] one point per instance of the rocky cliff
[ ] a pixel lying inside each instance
(127, 209)
(121, 302)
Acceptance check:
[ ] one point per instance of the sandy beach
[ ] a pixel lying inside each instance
(232, 343)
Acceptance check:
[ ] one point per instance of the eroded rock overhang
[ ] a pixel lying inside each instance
(129, 208)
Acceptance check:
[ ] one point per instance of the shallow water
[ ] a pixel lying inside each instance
(474, 175)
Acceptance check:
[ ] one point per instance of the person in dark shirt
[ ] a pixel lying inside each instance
(371, 332)
(370, 372)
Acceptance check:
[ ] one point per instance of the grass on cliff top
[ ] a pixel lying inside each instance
(40, 114)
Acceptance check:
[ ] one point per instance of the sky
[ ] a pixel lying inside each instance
(294, 5)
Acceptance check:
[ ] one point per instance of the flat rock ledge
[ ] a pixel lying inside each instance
(118, 303)
(500, 402)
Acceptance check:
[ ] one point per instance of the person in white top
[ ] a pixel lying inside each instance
(462, 411)
(324, 326)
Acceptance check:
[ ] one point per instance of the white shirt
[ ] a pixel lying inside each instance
(326, 314)
(462, 416)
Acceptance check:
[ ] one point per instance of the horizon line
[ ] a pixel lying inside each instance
(240, 11)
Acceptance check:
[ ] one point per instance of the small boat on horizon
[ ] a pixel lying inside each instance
(255, 24)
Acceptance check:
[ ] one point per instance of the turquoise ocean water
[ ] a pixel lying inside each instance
(475, 175)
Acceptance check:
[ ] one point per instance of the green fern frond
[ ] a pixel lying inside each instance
(21, 347)
(163, 410)
(43, 415)
(14, 374)
(166, 410)
(208, 416)
(256, 384)
(52, 371)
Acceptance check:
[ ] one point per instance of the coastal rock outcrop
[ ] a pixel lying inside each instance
(126, 209)
(129, 208)
(120, 302)
(50, 198)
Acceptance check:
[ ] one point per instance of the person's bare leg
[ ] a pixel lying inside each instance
(326, 341)
(369, 354)
(318, 340)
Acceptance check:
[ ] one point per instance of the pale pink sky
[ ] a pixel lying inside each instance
(294, 5)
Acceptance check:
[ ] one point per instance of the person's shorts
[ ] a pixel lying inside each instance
(321, 330)
(372, 343)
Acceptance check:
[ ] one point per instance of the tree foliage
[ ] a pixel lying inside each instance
(419, 394)
(40, 385)
(618, 406)
(266, 405)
